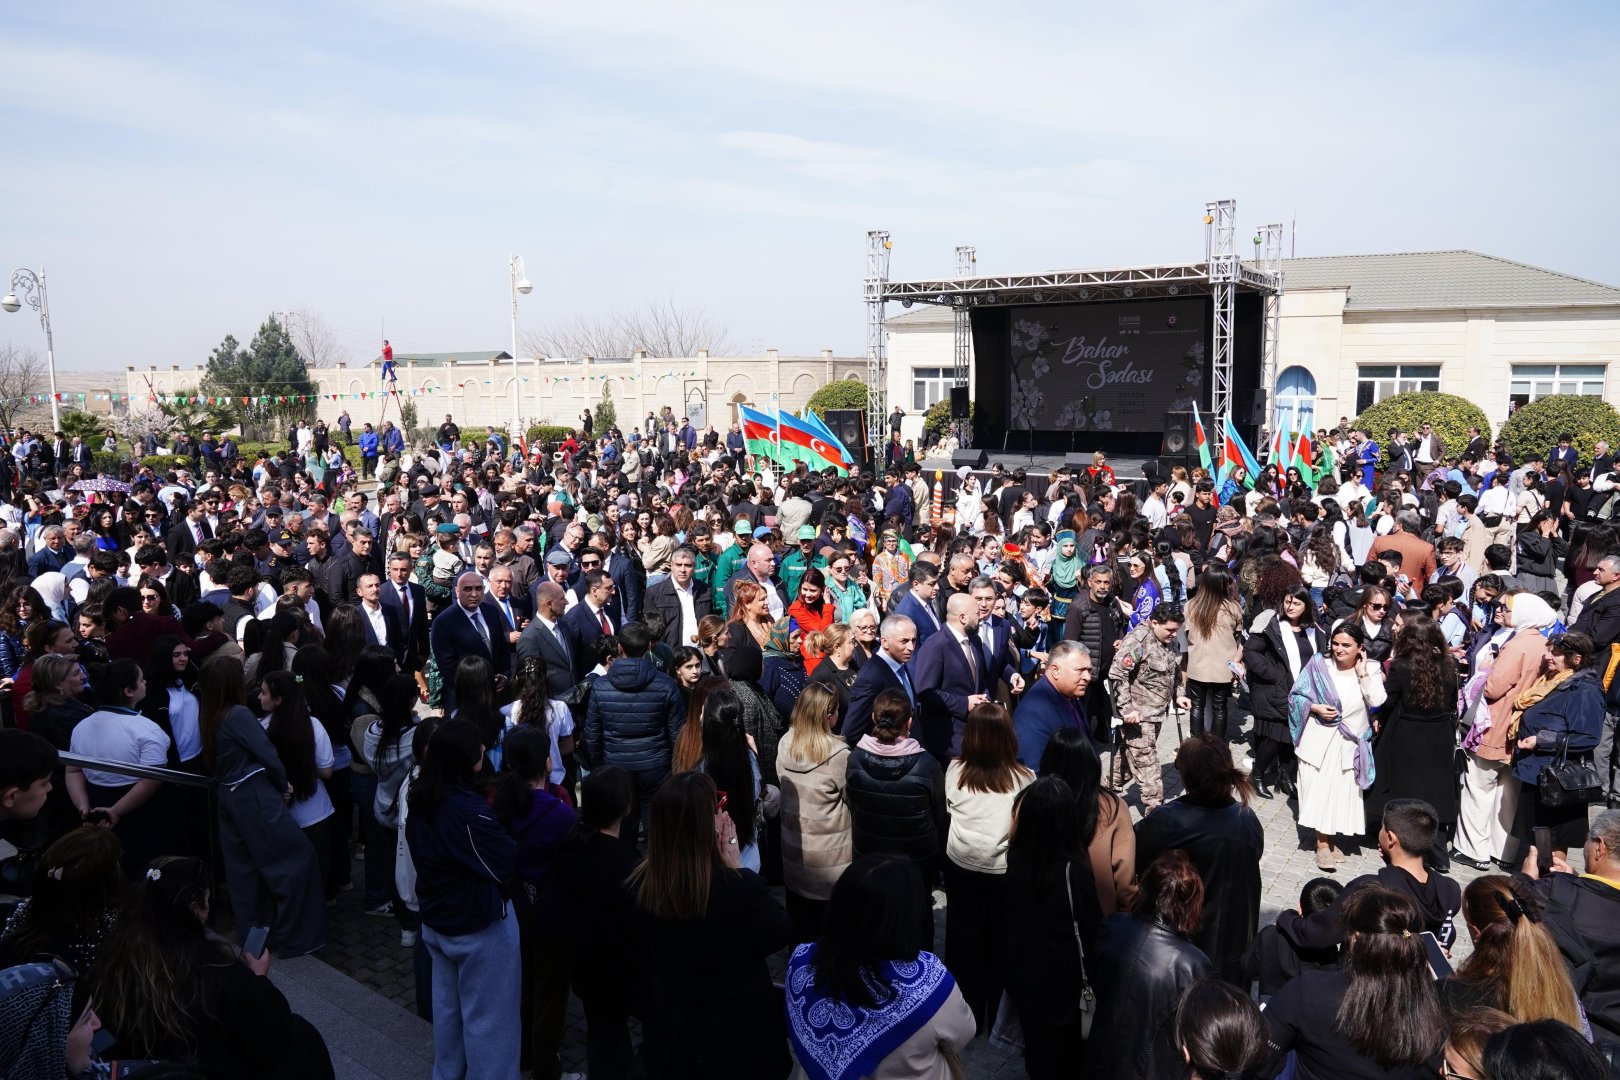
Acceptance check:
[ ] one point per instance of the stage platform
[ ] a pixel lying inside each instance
(1126, 466)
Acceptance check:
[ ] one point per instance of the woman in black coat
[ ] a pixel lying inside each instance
(1213, 824)
(1415, 728)
(1144, 964)
(1281, 641)
(896, 790)
(1051, 898)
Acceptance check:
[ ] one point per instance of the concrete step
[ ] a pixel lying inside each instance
(370, 1037)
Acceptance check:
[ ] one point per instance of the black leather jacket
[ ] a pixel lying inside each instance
(1142, 967)
(897, 804)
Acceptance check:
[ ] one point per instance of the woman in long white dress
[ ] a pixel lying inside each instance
(969, 502)
(1330, 714)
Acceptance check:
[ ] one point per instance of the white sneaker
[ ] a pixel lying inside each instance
(407, 939)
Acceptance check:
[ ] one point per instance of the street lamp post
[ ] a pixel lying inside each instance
(520, 284)
(32, 286)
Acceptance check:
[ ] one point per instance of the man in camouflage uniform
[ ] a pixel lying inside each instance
(1147, 683)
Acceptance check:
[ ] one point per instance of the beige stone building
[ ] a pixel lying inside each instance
(477, 387)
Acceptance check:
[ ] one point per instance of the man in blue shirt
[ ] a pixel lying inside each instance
(1366, 457)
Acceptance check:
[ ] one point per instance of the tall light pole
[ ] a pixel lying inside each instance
(520, 284)
(32, 286)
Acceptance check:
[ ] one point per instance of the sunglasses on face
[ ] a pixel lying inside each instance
(1377, 607)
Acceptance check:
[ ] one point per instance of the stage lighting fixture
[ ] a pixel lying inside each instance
(1129, 291)
(1085, 294)
(1175, 290)
(990, 299)
(1036, 297)
(905, 303)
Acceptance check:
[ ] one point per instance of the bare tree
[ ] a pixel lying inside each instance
(314, 339)
(22, 372)
(133, 424)
(662, 328)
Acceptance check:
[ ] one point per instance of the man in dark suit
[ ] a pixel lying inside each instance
(1564, 454)
(546, 639)
(680, 598)
(514, 607)
(949, 673)
(469, 627)
(1602, 460)
(918, 603)
(407, 597)
(995, 639)
(1477, 445)
(192, 530)
(1054, 701)
(886, 670)
(588, 620)
(385, 623)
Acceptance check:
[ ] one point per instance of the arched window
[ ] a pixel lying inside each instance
(1295, 402)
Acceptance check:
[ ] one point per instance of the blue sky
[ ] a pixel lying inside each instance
(182, 169)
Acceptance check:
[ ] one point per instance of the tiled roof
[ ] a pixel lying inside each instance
(1443, 279)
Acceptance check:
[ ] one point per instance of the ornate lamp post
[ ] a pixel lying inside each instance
(520, 284)
(32, 287)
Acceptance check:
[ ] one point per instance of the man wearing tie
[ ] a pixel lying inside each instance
(587, 621)
(514, 608)
(949, 671)
(469, 627)
(995, 639)
(407, 597)
(385, 624)
(918, 603)
(193, 530)
(886, 670)
(546, 638)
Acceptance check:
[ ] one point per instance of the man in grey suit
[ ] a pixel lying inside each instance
(544, 638)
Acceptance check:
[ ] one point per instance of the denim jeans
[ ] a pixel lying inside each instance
(477, 988)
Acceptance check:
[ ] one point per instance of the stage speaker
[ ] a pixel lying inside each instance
(1177, 447)
(959, 403)
(850, 427)
(1252, 404)
(973, 459)
(1077, 463)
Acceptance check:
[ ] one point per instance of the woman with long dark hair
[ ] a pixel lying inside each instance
(1377, 1015)
(464, 859)
(1416, 736)
(169, 701)
(276, 648)
(810, 610)
(171, 991)
(1220, 1031)
(1214, 646)
(474, 681)
(305, 749)
(1105, 820)
(77, 893)
(1052, 920)
(1144, 962)
(271, 868)
(536, 707)
(363, 700)
(732, 765)
(539, 822)
(21, 604)
(745, 667)
(980, 788)
(868, 998)
(1375, 619)
(712, 924)
(316, 676)
(1281, 641)
(1141, 585)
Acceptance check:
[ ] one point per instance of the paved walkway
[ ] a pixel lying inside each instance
(372, 1036)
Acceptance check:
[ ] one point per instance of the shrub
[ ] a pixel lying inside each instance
(937, 420)
(1451, 416)
(843, 394)
(549, 433)
(1534, 428)
(162, 463)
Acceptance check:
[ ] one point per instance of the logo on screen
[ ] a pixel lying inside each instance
(1170, 321)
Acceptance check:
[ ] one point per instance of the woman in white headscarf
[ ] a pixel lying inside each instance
(52, 589)
(969, 502)
(1489, 793)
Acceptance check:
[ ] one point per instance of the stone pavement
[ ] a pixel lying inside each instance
(367, 949)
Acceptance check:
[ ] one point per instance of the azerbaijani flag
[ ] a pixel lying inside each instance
(1281, 444)
(827, 434)
(801, 442)
(1201, 439)
(1304, 457)
(1235, 452)
(759, 433)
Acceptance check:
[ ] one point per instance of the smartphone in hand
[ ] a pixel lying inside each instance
(257, 938)
(1542, 838)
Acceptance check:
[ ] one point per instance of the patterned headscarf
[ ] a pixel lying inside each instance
(1066, 569)
(779, 643)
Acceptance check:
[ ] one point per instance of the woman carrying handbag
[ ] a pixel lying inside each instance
(1561, 722)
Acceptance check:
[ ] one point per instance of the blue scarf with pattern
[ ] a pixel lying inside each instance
(836, 1041)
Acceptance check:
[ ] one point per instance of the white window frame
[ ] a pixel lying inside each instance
(1409, 376)
(930, 385)
(1531, 380)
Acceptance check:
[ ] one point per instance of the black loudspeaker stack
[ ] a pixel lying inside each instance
(959, 403)
(973, 459)
(1178, 446)
(1252, 404)
(850, 427)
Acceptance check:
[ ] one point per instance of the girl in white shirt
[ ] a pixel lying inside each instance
(305, 750)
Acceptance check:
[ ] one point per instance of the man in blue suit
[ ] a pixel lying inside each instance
(588, 620)
(887, 670)
(918, 603)
(995, 639)
(949, 670)
(405, 596)
(1564, 454)
(1054, 701)
(469, 627)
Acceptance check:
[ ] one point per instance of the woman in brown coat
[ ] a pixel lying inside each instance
(1489, 793)
(817, 846)
(1105, 821)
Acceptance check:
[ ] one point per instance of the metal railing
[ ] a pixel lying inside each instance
(142, 772)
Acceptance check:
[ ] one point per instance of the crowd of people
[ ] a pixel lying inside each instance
(636, 716)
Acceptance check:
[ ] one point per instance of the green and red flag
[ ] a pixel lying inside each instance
(1201, 440)
(759, 433)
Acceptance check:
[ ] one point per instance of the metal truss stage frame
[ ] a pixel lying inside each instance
(1221, 275)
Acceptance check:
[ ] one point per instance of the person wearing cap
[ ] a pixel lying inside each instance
(438, 568)
(800, 559)
(730, 560)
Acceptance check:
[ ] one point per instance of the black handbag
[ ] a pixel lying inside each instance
(1566, 783)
